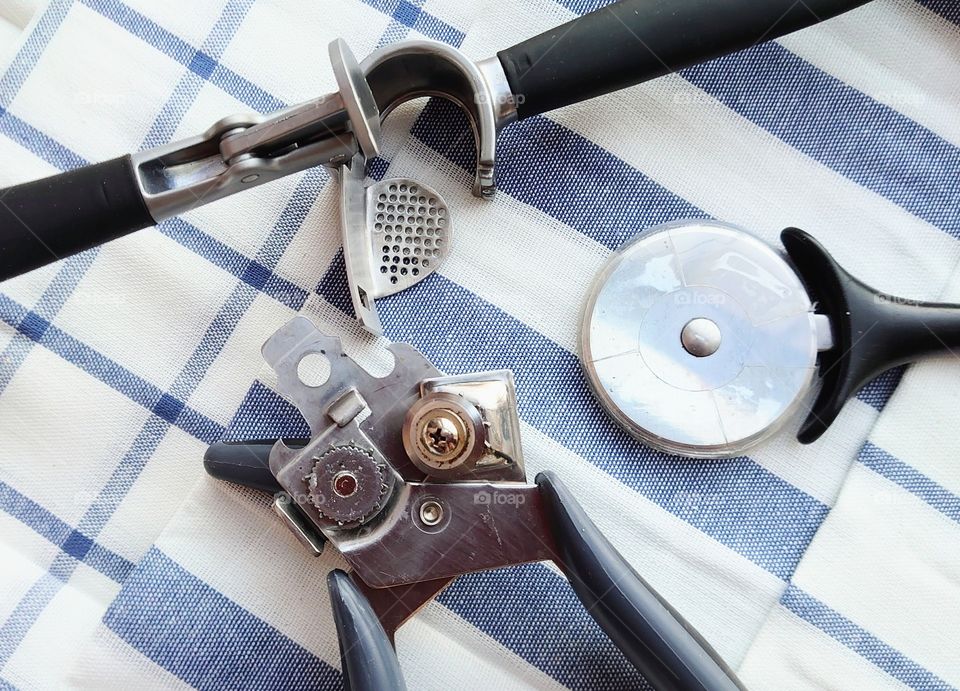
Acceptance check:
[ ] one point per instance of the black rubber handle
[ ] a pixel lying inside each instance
(663, 647)
(632, 41)
(367, 657)
(246, 462)
(872, 331)
(49, 219)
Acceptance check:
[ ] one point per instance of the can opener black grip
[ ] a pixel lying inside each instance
(872, 331)
(427, 485)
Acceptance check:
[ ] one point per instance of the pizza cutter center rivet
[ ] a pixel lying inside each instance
(344, 483)
(700, 337)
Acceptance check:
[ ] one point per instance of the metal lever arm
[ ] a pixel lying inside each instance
(664, 648)
(52, 218)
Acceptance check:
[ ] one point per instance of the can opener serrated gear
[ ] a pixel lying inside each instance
(417, 478)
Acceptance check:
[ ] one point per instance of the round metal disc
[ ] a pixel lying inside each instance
(699, 339)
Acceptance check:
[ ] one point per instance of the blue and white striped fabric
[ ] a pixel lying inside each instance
(122, 565)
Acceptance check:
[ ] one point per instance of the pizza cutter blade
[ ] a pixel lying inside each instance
(702, 340)
(699, 339)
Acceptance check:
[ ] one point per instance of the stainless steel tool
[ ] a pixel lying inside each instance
(417, 478)
(52, 218)
(395, 233)
(702, 340)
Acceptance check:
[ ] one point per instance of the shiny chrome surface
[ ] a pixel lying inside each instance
(442, 529)
(243, 151)
(754, 365)
(395, 233)
(412, 69)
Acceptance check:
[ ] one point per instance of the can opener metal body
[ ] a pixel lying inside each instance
(417, 478)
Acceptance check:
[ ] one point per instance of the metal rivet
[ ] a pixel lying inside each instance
(701, 337)
(345, 483)
(431, 512)
(250, 178)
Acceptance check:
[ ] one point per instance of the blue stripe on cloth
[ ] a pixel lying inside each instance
(35, 141)
(58, 532)
(948, 9)
(859, 640)
(25, 614)
(533, 611)
(737, 502)
(26, 57)
(411, 15)
(264, 414)
(892, 468)
(106, 370)
(206, 639)
(841, 128)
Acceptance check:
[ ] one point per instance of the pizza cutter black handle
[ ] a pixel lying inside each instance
(631, 41)
(872, 331)
(367, 657)
(664, 648)
(51, 218)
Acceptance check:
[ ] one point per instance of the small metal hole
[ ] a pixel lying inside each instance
(383, 269)
(426, 263)
(403, 272)
(393, 279)
(416, 271)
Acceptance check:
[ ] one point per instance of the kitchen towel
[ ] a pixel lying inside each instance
(124, 564)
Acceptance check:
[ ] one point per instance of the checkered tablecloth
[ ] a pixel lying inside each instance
(123, 565)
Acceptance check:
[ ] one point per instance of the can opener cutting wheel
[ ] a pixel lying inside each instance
(52, 218)
(417, 478)
(702, 340)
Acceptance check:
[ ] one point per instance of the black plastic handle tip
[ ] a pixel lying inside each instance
(367, 657)
(245, 463)
(52, 218)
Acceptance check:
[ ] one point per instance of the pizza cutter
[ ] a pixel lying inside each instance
(702, 340)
